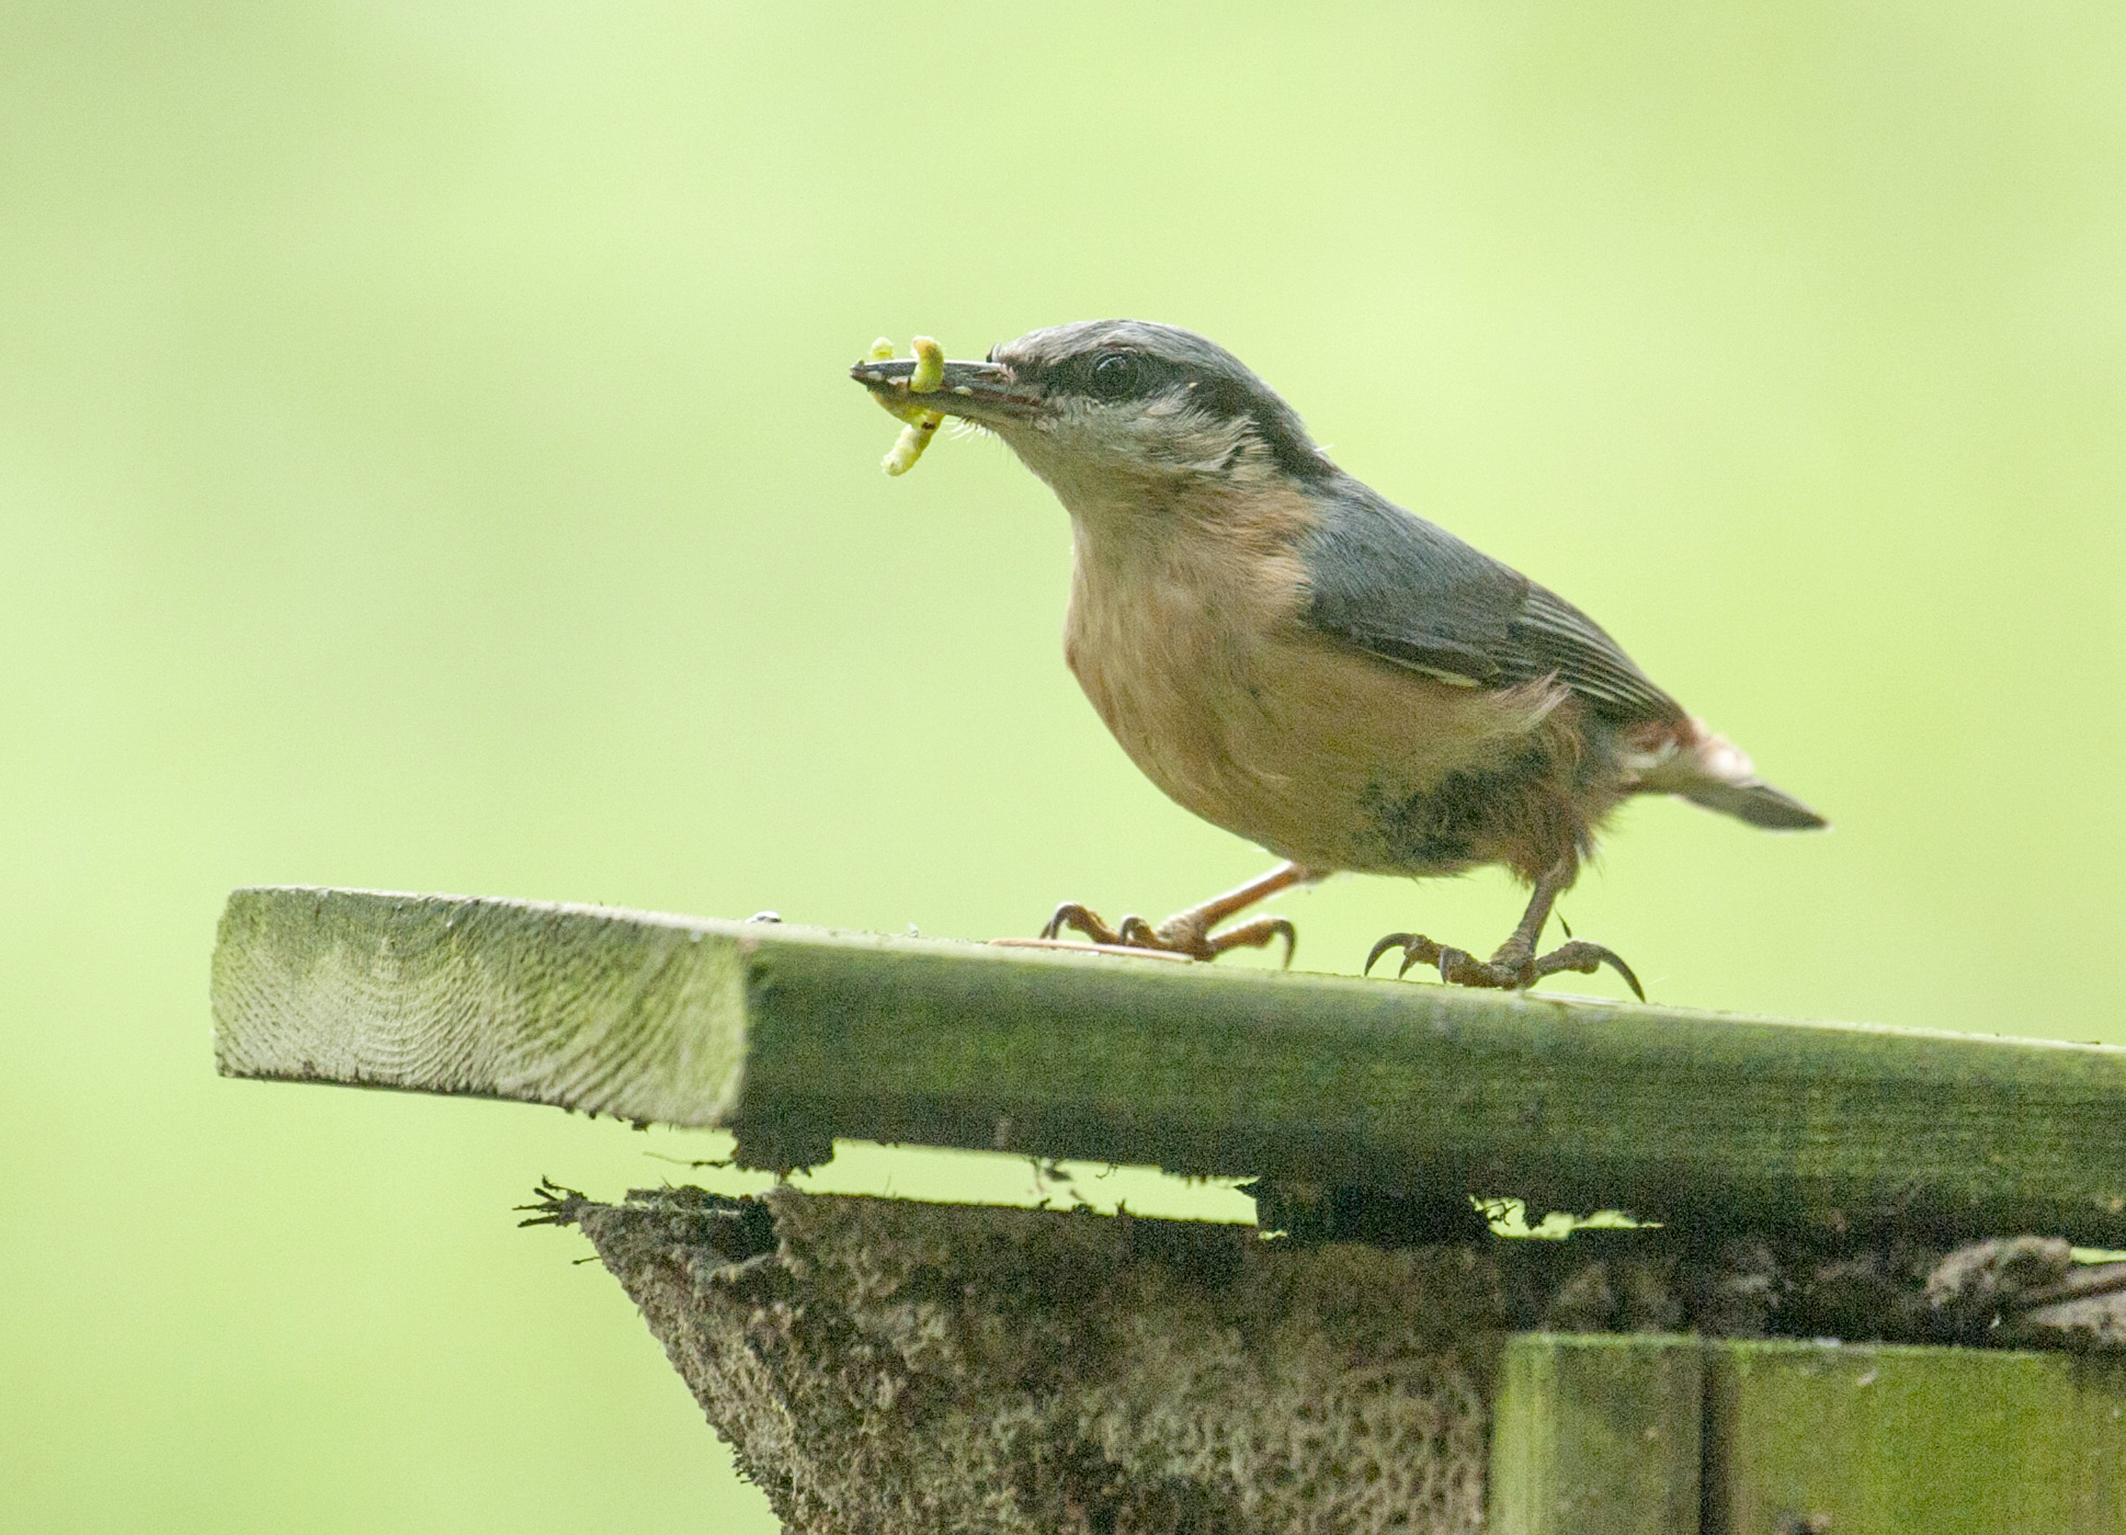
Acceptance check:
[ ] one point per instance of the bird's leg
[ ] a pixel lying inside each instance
(1519, 947)
(1514, 967)
(1189, 932)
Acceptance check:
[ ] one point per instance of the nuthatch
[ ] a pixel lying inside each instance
(1296, 659)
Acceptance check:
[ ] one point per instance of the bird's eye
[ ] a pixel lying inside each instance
(1119, 375)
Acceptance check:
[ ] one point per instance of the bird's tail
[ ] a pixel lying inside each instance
(1712, 771)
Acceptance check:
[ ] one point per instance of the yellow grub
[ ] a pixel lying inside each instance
(908, 447)
(929, 366)
(922, 424)
(901, 410)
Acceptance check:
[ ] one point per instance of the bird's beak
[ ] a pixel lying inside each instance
(982, 392)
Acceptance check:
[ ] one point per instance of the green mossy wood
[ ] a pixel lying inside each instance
(1597, 1433)
(1894, 1440)
(1778, 1438)
(792, 1036)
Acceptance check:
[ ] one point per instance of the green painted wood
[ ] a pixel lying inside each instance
(1596, 1433)
(1889, 1440)
(793, 1036)
(1627, 1434)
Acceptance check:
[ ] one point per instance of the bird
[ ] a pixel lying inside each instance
(1295, 658)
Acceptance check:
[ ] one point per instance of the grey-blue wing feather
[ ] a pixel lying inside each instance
(1401, 589)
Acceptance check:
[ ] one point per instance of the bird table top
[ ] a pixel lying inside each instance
(792, 1036)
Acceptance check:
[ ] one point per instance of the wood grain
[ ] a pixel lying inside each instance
(607, 1012)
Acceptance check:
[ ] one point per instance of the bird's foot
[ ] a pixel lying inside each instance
(1186, 933)
(1458, 967)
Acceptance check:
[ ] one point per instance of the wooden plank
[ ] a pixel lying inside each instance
(1596, 1433)
(792, 1036)
(1884, 1440)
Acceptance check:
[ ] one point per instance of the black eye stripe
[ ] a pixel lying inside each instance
(1148, 363)
(1114, 376)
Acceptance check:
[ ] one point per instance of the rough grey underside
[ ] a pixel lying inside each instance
(891, 1368)
(884, 1367)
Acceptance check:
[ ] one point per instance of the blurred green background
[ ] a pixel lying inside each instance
(426, 462)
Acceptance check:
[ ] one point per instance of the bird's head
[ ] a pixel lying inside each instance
(1103, 409)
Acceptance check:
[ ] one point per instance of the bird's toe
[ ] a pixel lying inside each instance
(1083, 919)
(1392, 941)
(1585, 958)
(1259, 933)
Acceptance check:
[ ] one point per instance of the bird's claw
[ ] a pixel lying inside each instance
(1458, 967)
(1258, 933)
(1136, 933)
(1392, 941)
(1082, 919)
(1176, 935)
(1586, 958)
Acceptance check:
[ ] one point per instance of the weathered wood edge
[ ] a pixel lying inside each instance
(1597, 1432)
(793, 1036)
(481, 998)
